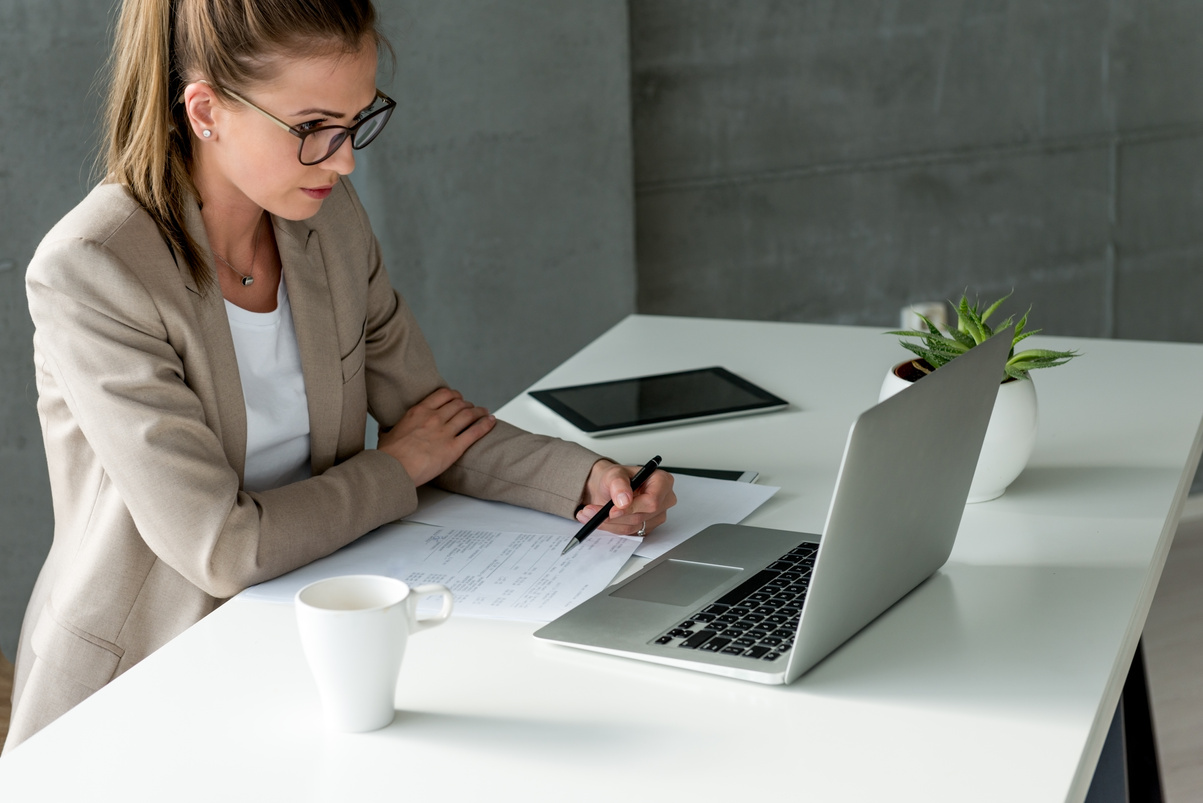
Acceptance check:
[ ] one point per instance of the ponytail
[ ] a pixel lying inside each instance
(159, 44)
(149, 148)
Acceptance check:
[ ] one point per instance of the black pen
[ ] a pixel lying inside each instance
(601, 515)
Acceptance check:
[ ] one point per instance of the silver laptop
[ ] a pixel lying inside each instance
(767, 605)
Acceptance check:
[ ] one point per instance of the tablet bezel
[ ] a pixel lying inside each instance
(766, 402)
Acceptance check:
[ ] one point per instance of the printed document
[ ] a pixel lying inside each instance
(497, 575)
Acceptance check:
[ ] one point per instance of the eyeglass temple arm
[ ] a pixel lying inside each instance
(277, 120)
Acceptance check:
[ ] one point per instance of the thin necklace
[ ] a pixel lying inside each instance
(247, 278)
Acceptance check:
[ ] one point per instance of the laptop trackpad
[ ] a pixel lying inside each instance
(676, 582)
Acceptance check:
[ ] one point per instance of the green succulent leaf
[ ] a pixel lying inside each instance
(1015, 373)
(908, 333)
(991, 309)
(1023, 322)
(963, 338)
(969, 322)
(1042, 354)
(948, 349)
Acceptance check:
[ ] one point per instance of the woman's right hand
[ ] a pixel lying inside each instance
(434, 433)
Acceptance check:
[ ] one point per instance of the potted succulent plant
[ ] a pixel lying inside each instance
(1012, 431)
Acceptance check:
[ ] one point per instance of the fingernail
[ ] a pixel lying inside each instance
(622, 500)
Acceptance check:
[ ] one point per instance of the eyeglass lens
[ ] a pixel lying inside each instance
(323, 142)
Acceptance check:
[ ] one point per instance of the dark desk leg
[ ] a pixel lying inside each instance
(1140, 743)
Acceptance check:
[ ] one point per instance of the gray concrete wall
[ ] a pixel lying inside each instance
(50, 51)
(501, 193)
(832, 161)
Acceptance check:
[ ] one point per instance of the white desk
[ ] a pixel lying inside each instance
(995, 680)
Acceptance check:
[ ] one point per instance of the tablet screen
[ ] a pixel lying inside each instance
(732, 475)
(623, 405)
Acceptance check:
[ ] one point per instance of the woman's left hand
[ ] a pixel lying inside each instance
(634, 512)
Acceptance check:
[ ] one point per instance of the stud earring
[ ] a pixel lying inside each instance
(206, 133)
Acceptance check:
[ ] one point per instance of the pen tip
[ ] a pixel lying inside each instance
(568, 548)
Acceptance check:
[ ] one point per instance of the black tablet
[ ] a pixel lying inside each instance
(646, 402)
(733, 475)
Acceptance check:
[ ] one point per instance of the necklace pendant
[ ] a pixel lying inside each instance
(247, 281)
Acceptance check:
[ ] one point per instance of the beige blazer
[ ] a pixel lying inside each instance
(144, 425)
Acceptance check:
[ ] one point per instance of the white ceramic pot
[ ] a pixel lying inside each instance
(1009, 438)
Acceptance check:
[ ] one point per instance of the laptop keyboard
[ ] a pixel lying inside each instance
(756, 619)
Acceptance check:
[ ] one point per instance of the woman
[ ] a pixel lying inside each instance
(213, 326)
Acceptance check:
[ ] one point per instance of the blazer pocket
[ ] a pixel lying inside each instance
(352, 362)
(79, 655)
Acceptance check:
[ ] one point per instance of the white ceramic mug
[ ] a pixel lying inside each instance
(354, 630)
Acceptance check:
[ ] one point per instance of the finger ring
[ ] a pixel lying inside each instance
(642, 528)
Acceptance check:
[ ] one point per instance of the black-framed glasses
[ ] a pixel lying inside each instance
(319, 144)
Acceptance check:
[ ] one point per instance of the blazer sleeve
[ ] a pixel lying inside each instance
(509, 464)
(106, 348)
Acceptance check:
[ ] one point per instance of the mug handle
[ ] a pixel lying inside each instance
(417, 594)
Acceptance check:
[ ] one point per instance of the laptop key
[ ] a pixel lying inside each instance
(715, 644)
(698, 639)
(756, 652)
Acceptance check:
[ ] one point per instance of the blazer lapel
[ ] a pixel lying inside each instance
(226, 407)
(317, 337)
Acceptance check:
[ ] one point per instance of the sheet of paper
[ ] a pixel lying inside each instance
(512, 575)
(499, 575)
(701, 501)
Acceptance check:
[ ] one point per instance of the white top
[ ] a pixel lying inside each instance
(277, 415)
(995, 680)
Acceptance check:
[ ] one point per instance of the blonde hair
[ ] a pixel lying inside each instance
(162, 44)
